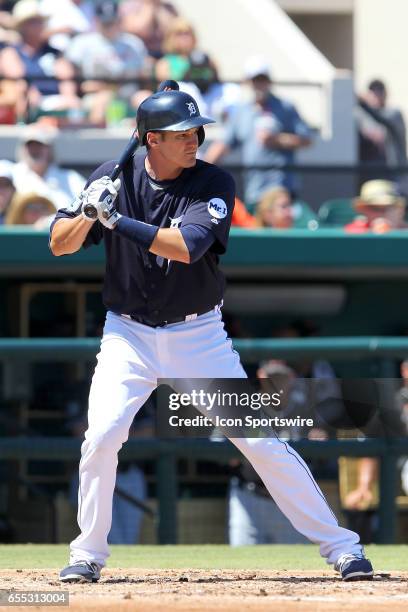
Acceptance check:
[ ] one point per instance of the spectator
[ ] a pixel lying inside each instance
(67, 18)
(36, 171)
(149, 20)
(107, 53)
(240, 216)
(381, 128)
(182, 60)
(268, 130)
(275, 209)
(380, 209)
(254, 518)
(30, 209)
(391, 420)
(33, 58)
(7, 189)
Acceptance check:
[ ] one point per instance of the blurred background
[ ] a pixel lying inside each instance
(310, 101)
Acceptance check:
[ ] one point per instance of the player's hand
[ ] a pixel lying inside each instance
(99, 201)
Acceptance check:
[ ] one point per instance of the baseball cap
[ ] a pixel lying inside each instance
(6, 170)
(257, 66)
(379, 193)
(25, 10)
(106, 11)
(35, 134)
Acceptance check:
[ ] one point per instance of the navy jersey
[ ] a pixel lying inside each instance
(140, 283)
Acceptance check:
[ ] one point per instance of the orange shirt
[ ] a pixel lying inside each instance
(240, 216)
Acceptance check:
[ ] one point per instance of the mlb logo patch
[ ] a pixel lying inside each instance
(217, 208)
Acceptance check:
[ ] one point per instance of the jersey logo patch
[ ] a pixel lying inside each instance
(191, 108)
(217, 208)
(176, 222)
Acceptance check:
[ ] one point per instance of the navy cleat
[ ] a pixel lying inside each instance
(81, 571)
(354, 567)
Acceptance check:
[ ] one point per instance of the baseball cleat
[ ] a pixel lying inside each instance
(81, 571)
(354, 567)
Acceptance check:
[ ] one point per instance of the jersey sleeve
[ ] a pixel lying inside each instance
(213, 210)
(95, 235)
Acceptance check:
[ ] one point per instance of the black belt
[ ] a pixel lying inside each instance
(150, 323)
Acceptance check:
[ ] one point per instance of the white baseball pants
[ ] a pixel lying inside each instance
(131, 359)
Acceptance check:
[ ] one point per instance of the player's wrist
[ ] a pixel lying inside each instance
(136, 231)
(110, 221)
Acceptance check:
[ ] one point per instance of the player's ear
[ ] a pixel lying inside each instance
(153, 139)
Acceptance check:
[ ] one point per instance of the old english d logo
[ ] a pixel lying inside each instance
(191, 108)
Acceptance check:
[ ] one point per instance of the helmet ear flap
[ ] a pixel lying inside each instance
(201, 135)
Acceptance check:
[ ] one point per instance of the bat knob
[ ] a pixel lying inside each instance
(168, 85)
(90, 211)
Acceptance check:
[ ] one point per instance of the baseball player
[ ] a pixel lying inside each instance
(164, 226)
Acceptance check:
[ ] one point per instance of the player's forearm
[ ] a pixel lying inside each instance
(165, 242)
(68, 235)
(169, 243)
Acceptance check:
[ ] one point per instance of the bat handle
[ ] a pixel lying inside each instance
(115, 173)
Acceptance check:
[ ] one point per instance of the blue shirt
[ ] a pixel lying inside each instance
(140, 283)
(276, 116)
(41, 64)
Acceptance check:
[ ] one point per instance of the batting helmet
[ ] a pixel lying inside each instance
(172, 111)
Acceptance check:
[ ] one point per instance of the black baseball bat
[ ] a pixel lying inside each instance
(131, 147)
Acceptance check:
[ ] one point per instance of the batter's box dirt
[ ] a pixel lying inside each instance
(216, 590)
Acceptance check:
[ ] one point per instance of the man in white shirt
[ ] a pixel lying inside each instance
(108, 53)
(36, 172)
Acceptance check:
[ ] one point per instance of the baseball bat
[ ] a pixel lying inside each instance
(131, 147)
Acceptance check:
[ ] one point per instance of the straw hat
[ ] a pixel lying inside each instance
(379, 193)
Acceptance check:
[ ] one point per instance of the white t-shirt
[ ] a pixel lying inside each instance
(62, 12)
(59, 185)
(99, 57)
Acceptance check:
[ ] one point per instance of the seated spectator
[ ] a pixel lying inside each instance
(33, 58)
(7, 189)
(380, 209)
(182, 60)
(66, 19)
(361, 502)
(275, 209)
(36, 171)
(149, 20)
(30, 209)
(268, 131)
(107, 53)
(240, 216)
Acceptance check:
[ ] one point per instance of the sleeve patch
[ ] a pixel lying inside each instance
(217, 208)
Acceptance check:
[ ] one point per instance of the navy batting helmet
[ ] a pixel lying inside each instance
(172, 111)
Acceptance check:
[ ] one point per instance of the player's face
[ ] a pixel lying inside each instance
(180, 148)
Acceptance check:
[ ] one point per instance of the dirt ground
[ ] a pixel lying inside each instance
(216, 590)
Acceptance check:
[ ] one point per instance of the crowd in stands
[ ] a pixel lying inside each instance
(91, 63)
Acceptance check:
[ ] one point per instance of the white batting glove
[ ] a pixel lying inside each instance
(99, 202)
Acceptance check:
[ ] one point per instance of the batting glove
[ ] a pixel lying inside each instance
(99, 202)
